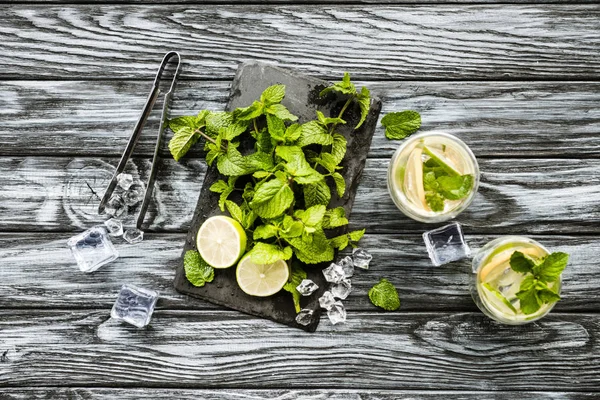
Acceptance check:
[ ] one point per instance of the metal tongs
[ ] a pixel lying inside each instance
(137, 131)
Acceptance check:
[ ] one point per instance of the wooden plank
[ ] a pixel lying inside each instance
(276, 394)
(400, 258)
(423, 42)
(515, 196)
(550, 119)
(212, 349)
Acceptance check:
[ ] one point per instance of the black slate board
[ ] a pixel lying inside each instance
(302, 99)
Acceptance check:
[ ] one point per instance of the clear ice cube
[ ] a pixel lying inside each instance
(135, 305)
(133, 235)
(92, 249)
(334, 273)
(361, 258)
(114, 226)
(341, 290)
(347, 266)
(446, 244)
(305, 316)
(124, 180)
(337, 313)
(135, 194)
(307, 287)
(327, 300)
(115, 206)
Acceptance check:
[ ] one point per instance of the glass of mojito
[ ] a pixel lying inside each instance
(516, 280)
(433, 176)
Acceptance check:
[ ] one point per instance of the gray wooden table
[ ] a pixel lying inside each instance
(518, 82)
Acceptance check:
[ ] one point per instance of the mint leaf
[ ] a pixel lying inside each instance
(529, 301)
(273, 94)
(313, 132)
(217, 120)
(291, 228)
(255, 110)
(265, 231)
(522, 263)
(399, 125)
(385, 295)
(334, 218)
(327, 161)
(317, 251)
(219, 186)
(235, 164)
(292, 133)
(181, 142)
(552, 266)
(296, 162)
(355, 236)
(311, 216)
(327, 121)
(338, 148)
(435, 201)
(547, 296)
(455, 187)
(340, 183)
(340, 242)
(235, 211)
(197, 271)
(297, 275)
(234, 130)
(192, 122)
(280, 111)
(272, 198)
(276, 128)
(364, 102)
(264, 253)
(345, 86)
(316, 193)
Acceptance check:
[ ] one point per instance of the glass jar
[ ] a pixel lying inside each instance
(410, 164)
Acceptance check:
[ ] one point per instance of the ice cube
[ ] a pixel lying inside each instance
(341, 290)
(92, 249)
(115, 206)
(305, 316)
(306, 287)
(347, 266)
(361, 258)
(446, 244)
(327, 300)
(135, 194)
(337, 313)
(124, 180)
(135, 305)
(114, 226)
(133, 235)
(334, 273)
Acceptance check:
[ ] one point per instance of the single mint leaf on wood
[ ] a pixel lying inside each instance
(297, 275)
(197, 271)
(265, 253)
(316, 193)
(334, 218)
(552, 266)
(313, 132)
(272, 198)
(522, 263)
(181, 142)
(399, 125)
(385, 295)
(273, 94)
(364, 102)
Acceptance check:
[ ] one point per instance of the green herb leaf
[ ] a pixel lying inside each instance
(334, 218)
(435, 201)
(296, 162)
(296, 277)
(529, 301)
(552, 266)
(340, 183)
(316, 193)
(272, 198)
(355, 236)
(264, 253)
(313, 132)
(197, 271)
(364, 102)
(281, 111)
(235, 211)
(399, 125)
(345, 86)
(311, 216)
(328, 121)
(183, 139)
(455, 187)
(265, 231)
(219, 186)
(273, 94)
(340, 242)
(318, 250)
(276, 128)
(385, 295)
(255, 110)
(338, 148)
(292, 133)
(522, 263)
(547, 296)
(217, 120)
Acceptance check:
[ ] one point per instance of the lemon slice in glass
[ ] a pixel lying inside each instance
(221, 241)
(261, 280)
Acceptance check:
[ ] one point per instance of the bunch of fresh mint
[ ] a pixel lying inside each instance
(284, 182)
(535, 290)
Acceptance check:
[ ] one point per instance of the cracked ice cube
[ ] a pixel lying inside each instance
(341, 290)
(115, 206)
(135, 194)
(114, 226)
(124, 180)
(305, 316)
(334, 273)
(133, 236)
(327, 300)
(307, 287)
(446, 244)
(92, 249)
(337, 313)
(347, 266)
(361, 258)
(135, 305)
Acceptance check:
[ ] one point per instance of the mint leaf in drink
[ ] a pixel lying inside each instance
(435, 201)
(272, 198)
(197, 271)
(552, 266)
(264, 253)
(273, 94)
(455, 187)
(399, 125)
(297, 275)
(364, 102)
(547, 296)
(385, 295)
(522, 263)
(530, 303)
(316, 193)
(334, 218)
(313, 132)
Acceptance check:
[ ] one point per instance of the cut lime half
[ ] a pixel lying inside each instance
(442, 161)
(261, 280)
(221, 241)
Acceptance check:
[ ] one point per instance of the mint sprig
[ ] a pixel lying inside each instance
(197, 271)
(385, 295)
(534, 290)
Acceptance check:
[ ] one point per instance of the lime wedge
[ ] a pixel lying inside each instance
(413, 179)
(498, 300)
(502, 255)
(221, 241)
(442, 161)
(261, 280)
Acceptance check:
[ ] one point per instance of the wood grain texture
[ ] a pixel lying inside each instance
(382, 42)
(520, 196)
(211, 349)
(400, 258)
(550, 119)
(277, 394)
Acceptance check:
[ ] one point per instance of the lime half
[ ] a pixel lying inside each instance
(261, 280)
(221, 241)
